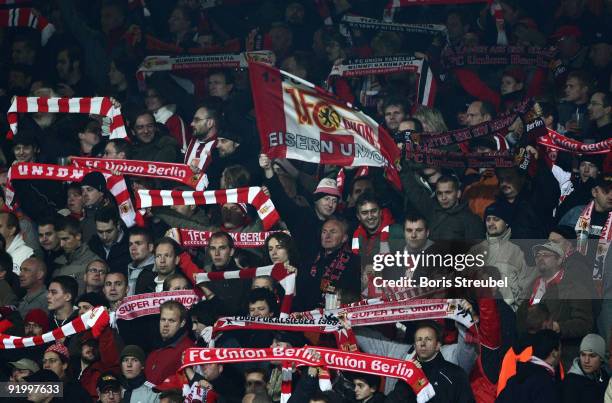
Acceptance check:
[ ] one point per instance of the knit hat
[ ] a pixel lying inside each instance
(327, 186)
(25, 363)
(39, 317)
(95, 180)
(550, 246)
(594, 343)
(498, 210)
(133, 351)
(60, 350)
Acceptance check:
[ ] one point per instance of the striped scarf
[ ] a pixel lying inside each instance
(583, 229)
(95, 106)
(96, 320)
(382, 232)
(251, 195)
(27, 18)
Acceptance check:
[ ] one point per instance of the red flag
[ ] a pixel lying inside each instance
(298, 120)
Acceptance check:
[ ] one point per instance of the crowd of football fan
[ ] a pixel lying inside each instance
(542, 338)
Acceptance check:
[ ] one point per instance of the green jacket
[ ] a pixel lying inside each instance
(163, 148)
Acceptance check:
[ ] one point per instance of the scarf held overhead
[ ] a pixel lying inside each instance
(449, 159)
(140, 305)
(193, 238)
(251, 195)
(95, 106)
(277, 271)
(497, 56)
(96, 320)
(149, 169)
(560, 142)
(115, 184)
(330, 358)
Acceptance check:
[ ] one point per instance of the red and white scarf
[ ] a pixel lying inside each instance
(193, 238)
(330, 358)
(382, 231)
(541, 285)
(557, 141)
(115, 184)
(583, 229)
(277, 271)
(251, 195)
(96, 320)
(95, 106)
(26, 18)
(148, 169)
(140, 305)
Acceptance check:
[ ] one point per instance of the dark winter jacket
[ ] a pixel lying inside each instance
(531, 384)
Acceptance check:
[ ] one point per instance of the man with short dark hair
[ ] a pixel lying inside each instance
(483, 111)
(573, 110)
(49, 241)
(77, 255)
(110, 241)
(115, 289)
(166, 360)
(140, 269)
(132, 368)
(220, 84)
(600, 113)
(204, 126)
(61, 295)
(94, 276)
(69, 66)
(449, 381)
(394, 111)
(448, 217)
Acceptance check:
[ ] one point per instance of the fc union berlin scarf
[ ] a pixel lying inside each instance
(96, 106)
(140, 305)
(153, 64)
(277, 271)
(393, 5)
(148, 169)
(560, 142)
(26, 18)
(426, 84)
(583, 227)
(193, 238)
(377, 311)
(115, 184)
(449, 159)
(96, 320)
(453, 57)
(251, 195)
(330, 358)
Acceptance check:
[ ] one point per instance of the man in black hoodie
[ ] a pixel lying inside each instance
(535, 380)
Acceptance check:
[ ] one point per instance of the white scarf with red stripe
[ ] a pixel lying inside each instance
(327, 357)
(95, 106)
(277, 271)
(583, 229)
(115, 184)
(199, 155)
(383, 231)
(193, 238)
(96, 320)
(140, 305)
(541, 285)
(26, 18)
(251, 195)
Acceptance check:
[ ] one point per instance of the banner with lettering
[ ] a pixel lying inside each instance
(497, 56)
(193, 238)
(298, 120)
(140, 305)
(407, 371)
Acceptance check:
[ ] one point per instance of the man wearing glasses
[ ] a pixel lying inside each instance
(94, 276)
(109, 388)
(565, 292)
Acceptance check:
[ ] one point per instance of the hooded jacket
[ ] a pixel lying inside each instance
(531, 384)
(579, 387)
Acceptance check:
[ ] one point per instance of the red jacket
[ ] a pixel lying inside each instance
(165, 361)
(109, 361)
(489, 337)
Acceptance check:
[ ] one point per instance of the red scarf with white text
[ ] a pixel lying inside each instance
(382, 232)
